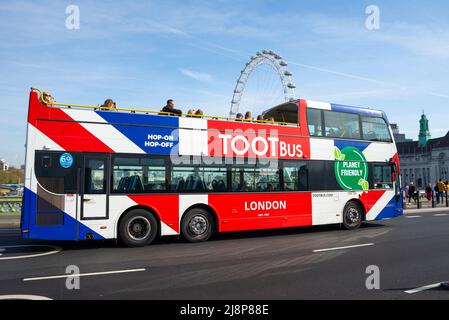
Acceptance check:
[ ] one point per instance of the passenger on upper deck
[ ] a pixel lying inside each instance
(239, 117)
(260, 118)
(108, 105)
(47, 99)
(170, 108)
(248, 116)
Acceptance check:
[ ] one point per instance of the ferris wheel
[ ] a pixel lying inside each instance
(277, 67)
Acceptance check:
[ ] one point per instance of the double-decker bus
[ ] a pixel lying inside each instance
(137, 175)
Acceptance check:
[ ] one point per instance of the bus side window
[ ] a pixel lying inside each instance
(295, 176)
(382, 177)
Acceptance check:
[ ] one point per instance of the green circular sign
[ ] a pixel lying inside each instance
(351, 169)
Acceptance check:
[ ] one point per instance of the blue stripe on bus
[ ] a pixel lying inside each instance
(70, 230)
(26, 205)
(362, 111)
(153, 134)
(393, 209)
(341, 144)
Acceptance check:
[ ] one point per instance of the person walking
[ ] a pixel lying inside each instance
(429, 192)
(441, 190)
(437, 192)
(411, 192)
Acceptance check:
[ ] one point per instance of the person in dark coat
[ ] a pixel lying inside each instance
(170, 108)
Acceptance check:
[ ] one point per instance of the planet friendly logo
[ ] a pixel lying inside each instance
(66, 160)
(351, 169)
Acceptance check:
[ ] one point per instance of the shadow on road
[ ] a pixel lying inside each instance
(98, 244)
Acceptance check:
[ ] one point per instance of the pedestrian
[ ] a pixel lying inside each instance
(441, 189)
(429, 192)
(437, 192)
(411, 192)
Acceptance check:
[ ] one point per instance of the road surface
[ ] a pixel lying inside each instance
(411, 253)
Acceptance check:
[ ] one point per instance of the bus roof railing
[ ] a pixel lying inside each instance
(83, 106)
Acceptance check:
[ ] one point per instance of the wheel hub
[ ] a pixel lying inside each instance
(198, 225)
(139, 228)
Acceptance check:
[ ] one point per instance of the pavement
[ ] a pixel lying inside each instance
(410, 255)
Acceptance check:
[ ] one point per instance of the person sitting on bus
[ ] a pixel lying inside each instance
(191, 112)
(47, 99)
(260, 118)
(199, 113)
(248, 116)
(170, 109)
(108, 105)
(271, 119)
(239, 117)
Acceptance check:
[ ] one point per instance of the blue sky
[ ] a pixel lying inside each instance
(142, 52)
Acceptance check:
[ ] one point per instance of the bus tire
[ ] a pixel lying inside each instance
(197, 225)
(352, 215)
(138, 228)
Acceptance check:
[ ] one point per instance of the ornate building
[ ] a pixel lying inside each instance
(424, 161)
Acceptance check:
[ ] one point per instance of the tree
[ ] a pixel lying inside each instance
(11, 176)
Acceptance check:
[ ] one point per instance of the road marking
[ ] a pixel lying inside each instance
(430, 286)
(84, 274)
(342, 248)
(23, 297)
(441, 215)
(55, 250)
(1, 250)
(412, 217)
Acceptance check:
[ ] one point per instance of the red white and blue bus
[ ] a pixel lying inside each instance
(136, 175)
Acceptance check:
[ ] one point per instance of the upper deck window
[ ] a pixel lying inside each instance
(314, 122)
(342, 125)
(375, 129)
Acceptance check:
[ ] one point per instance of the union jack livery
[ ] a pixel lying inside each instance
(137, 175)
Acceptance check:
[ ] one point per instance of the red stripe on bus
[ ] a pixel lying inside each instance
(240, 212)
(165, 206)
(62, 129)
(370, 198)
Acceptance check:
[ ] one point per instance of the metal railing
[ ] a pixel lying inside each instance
(420, 200)
(131, 110)
(10, 205)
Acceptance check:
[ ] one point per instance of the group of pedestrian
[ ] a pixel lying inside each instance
(439, 188)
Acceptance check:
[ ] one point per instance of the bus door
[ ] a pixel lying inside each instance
(396, 181)
(95, 187)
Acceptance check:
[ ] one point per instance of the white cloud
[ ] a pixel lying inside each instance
(198, 76)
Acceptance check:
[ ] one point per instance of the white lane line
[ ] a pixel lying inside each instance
(413, 217)
(342, 248)
(55, 250)
(84, 274)
(430, 286)
(441, 215)
(23, 297)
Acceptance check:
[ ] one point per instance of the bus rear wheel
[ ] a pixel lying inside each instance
(197, 225)
(138, 228)
(352, 216)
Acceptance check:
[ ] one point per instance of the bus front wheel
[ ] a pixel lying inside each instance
(352, 216)
(138, 228)
(197, 225)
